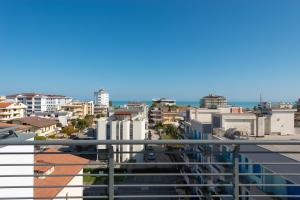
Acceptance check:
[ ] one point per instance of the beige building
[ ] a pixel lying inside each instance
(11, 110)
(38, 125)
(79, 109)
(2, 98)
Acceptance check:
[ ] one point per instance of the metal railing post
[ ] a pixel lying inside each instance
(236, 178)
(110, 172)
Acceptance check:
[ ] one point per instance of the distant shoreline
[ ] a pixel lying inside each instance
(244, 104)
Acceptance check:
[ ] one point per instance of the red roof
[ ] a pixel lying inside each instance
(5, 104)
(55, 180)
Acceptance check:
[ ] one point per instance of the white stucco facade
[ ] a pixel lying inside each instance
(16, 170)
(72, 191)
(101, 98)
(126, 129)
(278, 122)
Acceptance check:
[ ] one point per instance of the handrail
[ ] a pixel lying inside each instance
(158, 142)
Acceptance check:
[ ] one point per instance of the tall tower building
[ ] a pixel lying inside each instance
(101, 98)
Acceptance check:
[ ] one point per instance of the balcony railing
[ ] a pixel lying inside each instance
(158, 171)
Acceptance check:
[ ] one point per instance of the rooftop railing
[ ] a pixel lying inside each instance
(161, 169)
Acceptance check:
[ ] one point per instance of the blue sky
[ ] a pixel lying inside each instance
(151, 48)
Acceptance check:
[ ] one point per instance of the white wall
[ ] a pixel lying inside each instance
(101, 132)
(16, 170)
(73, 191)
(139, 132)
(282, 122)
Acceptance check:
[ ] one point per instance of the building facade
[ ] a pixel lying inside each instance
(101, 98)
(40, 126)
(213, 101)
(123, 125)
(27, 159)
(79, 109)
(59, 192)
(11, 110)
(277, 122)
(40, 102)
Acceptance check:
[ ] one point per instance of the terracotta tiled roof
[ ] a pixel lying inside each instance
(55, 180)
(5, 104)
(36, 121)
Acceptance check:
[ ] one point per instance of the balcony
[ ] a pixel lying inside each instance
(26, 164)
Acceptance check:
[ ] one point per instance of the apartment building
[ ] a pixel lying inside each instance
(61, 117)
(11, 110)
(138, 106)
(101, 98)
(223, 153)
(36, 102)
(123, 125)
(41, 180)
(213, 101)
(38, 125)
(165, 111)
(25, 156)
(79, 109)
(2, 98)
(163, 102)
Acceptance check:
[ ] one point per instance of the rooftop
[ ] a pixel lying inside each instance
(5, 104)
(55, 180)
(32, 94)
(36, 121)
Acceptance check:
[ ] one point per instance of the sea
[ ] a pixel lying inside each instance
(244, 104)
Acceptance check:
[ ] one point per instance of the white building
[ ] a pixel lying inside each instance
(11, 110)
(102, 98)
(14, 170)
(138, 106)
(204, 114)
(123, 125)
(40, 102)
(278, 122)
(162, 102)
(60, 116)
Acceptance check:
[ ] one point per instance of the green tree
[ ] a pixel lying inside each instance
(171, 130)
(74, 122)
(68, 130)
(81, 124)
(89, 119)
(37, 137)
(159, 125)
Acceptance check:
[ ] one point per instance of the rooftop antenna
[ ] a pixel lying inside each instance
(260, 98)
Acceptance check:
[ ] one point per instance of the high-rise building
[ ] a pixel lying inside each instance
(40, 102)
(101, 98)
(213, 101)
